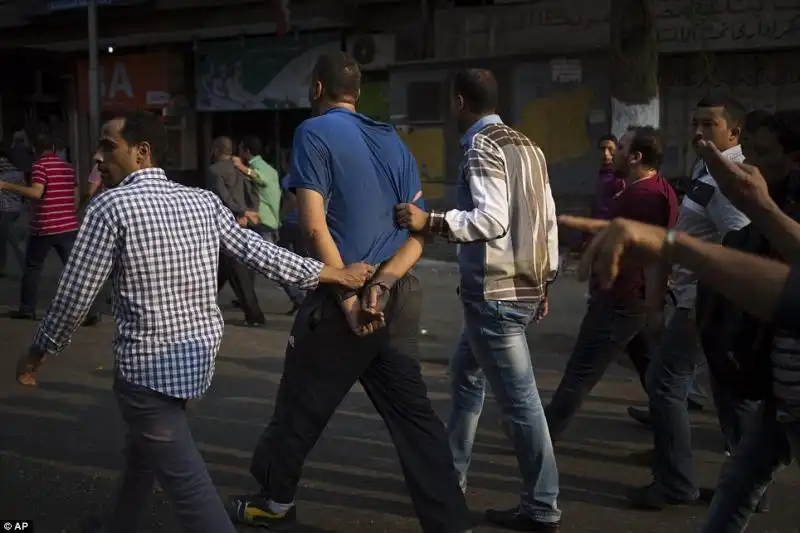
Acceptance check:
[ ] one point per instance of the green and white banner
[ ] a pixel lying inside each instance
(251, 73)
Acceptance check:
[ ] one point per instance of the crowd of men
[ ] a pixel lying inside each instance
(352, 200)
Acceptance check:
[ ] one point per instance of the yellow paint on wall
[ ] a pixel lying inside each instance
(558, 124)
(432, 191)
(427, 145)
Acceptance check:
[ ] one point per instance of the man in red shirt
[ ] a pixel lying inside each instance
(54, 221)
(617, 316)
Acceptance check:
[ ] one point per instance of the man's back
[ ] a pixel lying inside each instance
(232, 187)
(515, 265)
(56, 211)
(362, 169)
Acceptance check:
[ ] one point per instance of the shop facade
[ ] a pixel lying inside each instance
(258, 86)
(155, 81)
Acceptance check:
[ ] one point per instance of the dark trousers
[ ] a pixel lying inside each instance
(241, 281)
(8, 239)
(608, 329)
(324, 359)
(160, 447)
(38, 249)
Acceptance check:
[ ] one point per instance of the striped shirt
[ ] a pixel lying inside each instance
(786, 341)
(505, 218)
(159, 243)
(10, 202)
(56, 211)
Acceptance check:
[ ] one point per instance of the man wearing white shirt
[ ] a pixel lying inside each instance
(706, 214)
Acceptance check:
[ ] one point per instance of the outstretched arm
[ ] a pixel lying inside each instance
(279, 264)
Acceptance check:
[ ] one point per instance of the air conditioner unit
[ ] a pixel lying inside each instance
(375, 51)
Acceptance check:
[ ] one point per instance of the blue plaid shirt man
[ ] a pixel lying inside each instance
(159, 242)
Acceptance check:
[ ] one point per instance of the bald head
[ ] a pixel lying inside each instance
(477, 87)
(222, 147)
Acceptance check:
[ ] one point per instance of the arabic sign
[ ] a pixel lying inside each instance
(682, 26)
(259, 72)
(727, 25)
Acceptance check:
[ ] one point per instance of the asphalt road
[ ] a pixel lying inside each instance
(60, 444)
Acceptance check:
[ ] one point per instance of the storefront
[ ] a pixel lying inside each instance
(150, 81)
(257, 86)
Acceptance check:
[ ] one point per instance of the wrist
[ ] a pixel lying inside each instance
(668, 244)
(437, 224)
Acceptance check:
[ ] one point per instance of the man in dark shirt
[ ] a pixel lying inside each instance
(348, 173)
(236, 194)
(618, 315)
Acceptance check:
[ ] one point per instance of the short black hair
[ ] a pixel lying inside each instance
(755, 119)
(340, 76)
(733, 111)
(478, 88)
(608, 137)
(253, 144)
(786, 127)
(648, 141)
(143, 126)
(43, 141)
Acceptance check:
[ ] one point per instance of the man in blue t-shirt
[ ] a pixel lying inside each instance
(348, 172)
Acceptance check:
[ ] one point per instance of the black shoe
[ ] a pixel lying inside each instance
(707, 495)
(514, 520)
(253, 510)
(650, 498)
(640, 415)
(91, 321)
(22, 314)
(257, 323)
(693, 405)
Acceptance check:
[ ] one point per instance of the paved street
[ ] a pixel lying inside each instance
(59, 444)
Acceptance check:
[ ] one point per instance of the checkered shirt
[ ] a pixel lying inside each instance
(159, 242)
(10, 202)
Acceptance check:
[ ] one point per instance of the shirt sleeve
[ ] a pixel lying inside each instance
(274, 262)
(38, 175)
(309, 168)
(724, 215)
(87, 269)
(787, 314)
(486, 176)
(551, 226)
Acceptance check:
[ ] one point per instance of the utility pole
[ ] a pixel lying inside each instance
(94, 82)
(634, 66)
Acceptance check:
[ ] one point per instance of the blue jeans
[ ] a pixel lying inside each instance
(767, 447)
(494, 348)
(160, 448)
(669, 379)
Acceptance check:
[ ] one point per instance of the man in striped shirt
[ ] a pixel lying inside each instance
(54, 220)
(505, 222)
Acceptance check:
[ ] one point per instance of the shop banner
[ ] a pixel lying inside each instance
(133, 81)
(253, 73)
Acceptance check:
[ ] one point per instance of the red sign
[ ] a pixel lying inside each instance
(137, 81)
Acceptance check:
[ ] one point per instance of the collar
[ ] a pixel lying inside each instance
(733, 151)
(255, 159)
(479, 124)
(153, 173)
